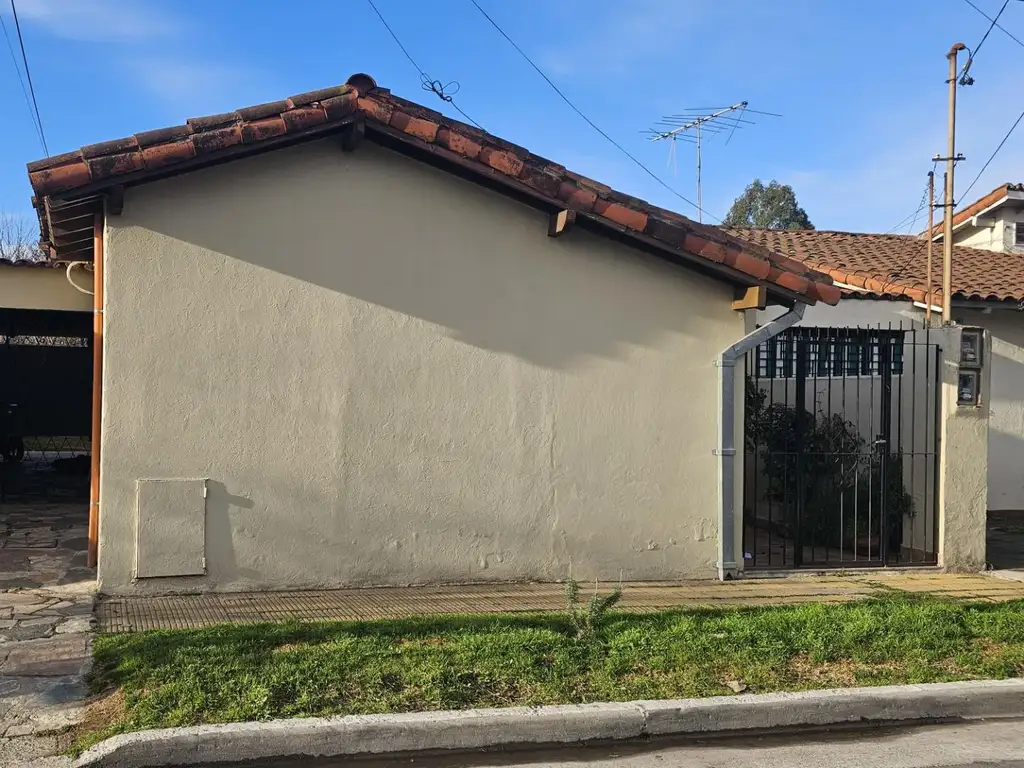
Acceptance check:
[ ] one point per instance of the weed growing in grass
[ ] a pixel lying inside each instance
(587, 621)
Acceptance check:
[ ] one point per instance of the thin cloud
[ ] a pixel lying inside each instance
(188, 84)
(624, 35)
(100, 21)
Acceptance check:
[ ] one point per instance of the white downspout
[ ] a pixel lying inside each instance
(728, 567)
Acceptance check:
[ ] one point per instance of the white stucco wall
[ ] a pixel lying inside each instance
(1006, 412)
(24, 287)
(390, 375)
(997, 233)
(990, 238)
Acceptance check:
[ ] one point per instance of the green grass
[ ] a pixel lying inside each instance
(258, 672)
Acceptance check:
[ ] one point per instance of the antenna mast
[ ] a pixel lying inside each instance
(693, 124)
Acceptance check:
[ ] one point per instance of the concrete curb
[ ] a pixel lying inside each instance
(477, 729)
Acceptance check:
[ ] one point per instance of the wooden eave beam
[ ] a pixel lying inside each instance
(561, 222)
(751, 297)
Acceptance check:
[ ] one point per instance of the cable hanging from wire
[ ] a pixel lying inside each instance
(28, 76)
(21, 81)
(965, 78)
(586, 119)
(444, 91)
(912, 217)
(904, 258)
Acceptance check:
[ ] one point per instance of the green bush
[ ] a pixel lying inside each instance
(836, 462)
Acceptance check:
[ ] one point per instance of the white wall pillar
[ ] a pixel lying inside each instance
(963, 458)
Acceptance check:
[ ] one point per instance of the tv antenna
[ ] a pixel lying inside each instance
(693, 124)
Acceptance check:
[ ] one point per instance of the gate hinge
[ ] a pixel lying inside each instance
(723, 452)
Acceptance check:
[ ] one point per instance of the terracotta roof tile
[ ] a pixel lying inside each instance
(894, 265)
(979, 205)
(138, 158)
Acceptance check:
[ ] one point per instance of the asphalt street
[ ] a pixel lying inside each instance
(989, 744)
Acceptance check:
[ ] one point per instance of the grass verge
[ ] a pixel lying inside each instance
(259, 672)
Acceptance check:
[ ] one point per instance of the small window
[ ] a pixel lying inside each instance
(831, 353)
(1018, 234)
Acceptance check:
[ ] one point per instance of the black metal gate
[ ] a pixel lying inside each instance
(841, 449)
(45, 405)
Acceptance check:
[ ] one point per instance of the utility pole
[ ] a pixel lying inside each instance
(947, 210)
(931, 239)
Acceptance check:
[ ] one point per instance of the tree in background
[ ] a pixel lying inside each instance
(767, 207)
(19, 239)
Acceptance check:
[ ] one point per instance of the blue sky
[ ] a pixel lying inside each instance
(860, 84)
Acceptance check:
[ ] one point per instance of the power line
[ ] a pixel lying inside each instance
(445, 92)
(1001, 28)
(992, 156)
(28, 76)
(966, 79)
(897, 271)
(907, 219)
(589, 122)
(21, 81)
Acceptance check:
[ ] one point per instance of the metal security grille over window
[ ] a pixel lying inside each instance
(841, 448)
(833, 352)
(1018, 234)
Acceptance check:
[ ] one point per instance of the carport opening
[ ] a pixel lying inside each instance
(45, 447)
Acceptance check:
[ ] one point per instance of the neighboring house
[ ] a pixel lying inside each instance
(423, 356)
(995, 222)
(884, 284)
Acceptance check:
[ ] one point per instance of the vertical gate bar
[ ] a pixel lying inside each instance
(844, 356)
(885, 424)
(750, 528)
(936, 440)
(856, 349)
(770, 373)
(800, 395)
(832, 351)
(748, 382)
(898, 453)
(830, 346)
(866, 354)
(913, 433)
(814, 348)
(787, 374)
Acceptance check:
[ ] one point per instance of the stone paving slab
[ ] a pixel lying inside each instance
(47, 657)
(46, 606)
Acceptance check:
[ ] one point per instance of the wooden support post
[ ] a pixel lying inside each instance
(561, 222)
(753, 297)
(115, 201)
(352, 136)
(97, 392)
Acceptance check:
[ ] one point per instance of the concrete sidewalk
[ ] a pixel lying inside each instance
(136, 614)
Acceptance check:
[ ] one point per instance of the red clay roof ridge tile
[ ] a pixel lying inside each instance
(306, 114)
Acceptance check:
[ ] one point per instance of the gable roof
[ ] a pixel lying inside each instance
(995, 197)
(893, 266)
(69, 187)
